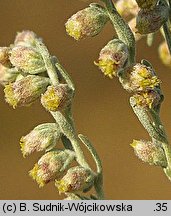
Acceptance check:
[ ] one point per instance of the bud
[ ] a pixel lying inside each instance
(43, 137)
(138, 78)
(150, 99)
(56, 97)
(164, 54)
(26, 90)
(7, 75)
(127, 7)
(87, 22)
(113, 57)
(76, 179)
(25, 38)
(149, 21)
(27, 59)
(144, 4)
(4, 56)
(51, 165)
(150, 152)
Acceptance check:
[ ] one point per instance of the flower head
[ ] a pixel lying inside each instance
(150, 152)
(87, 22)
(138, 78)
(43, 137)
(112, 57)
(50, 166)
(76, 179)
(56, 97)
(27, 59)
(149, 21)
(26, 90)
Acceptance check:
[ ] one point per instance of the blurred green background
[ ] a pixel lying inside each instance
(101, 108)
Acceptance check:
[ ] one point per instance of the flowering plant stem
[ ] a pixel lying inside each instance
(150, 120)
(65, 120)
(41, 75)
(155, 130)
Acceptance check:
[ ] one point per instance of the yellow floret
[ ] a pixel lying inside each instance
(108, 67)
(144, 99)
(35, 176)
(50, 100)
(150, 82)
(22, 145)
(62, 186)
(73, 29)
(9, 95)
(134, 143)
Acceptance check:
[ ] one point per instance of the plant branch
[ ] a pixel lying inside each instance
(65, 122)
(155, 129)
(143, 117)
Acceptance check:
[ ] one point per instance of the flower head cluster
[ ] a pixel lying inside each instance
(87, 22)
(150, 152)
(142, 81)
(20, 66)
(24, 70)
